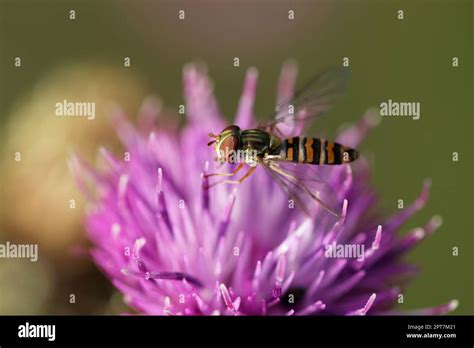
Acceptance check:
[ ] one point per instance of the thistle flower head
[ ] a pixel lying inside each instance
(171, 246)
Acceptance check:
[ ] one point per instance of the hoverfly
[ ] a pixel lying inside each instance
(293, 162)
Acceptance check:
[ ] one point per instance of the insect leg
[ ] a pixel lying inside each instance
(235, 171)
(226, 181)
(272, 157)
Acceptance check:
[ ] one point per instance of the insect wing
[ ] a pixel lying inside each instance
(305, 186)
(312, 101)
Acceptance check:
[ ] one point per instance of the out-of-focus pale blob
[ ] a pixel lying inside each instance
(25, 287)
(38, 189)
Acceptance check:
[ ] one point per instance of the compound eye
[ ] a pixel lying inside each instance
(231, 128)
(228, 146)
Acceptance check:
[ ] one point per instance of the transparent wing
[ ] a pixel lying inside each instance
(305, 186)
(310, 102)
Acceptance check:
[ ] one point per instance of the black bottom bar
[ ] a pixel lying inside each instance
(141, 330)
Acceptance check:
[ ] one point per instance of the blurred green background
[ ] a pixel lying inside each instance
(402, 60)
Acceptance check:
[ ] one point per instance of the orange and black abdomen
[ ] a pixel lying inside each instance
(316, 151)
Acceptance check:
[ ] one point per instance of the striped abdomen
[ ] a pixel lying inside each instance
(316, 151)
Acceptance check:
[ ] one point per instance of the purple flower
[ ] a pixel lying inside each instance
(173, 247)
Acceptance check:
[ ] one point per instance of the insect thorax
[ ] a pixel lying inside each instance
(257, 140)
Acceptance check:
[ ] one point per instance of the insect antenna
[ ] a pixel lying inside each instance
(212, 135)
